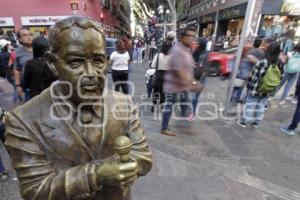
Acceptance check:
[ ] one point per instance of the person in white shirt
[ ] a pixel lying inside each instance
(119, 61)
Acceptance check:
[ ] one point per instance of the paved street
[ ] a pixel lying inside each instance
(211, 159)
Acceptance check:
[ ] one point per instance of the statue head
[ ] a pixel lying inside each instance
(77, 55)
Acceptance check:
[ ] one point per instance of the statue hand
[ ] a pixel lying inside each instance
(116, 173)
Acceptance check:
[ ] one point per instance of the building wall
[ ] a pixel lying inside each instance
(18, 8)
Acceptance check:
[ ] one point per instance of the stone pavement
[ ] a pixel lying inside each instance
(209, 159)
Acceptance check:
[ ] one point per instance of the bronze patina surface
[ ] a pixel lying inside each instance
(65, 143)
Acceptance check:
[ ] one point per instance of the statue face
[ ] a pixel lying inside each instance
(82, 61)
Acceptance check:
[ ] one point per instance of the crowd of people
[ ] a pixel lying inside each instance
(177, 75)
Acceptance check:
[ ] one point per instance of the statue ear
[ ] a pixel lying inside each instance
(50, 58)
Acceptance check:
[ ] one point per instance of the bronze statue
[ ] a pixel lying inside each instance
(68, 142)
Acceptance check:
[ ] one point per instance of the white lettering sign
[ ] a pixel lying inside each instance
(41, 20)
(6, 21)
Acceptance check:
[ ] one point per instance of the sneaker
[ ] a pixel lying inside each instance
(168, 132)
(294, 101)
(255, 124)
(3, 176)
(281, 102)
(191, 117)
(287, 131)
(242, 124)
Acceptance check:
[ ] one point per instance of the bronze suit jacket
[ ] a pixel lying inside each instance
(52, 160)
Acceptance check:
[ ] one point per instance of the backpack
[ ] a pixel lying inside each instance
(271, 80)
(293, 64)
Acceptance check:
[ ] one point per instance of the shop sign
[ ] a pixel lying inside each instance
(291, 7)
(207, 18)
(6, 21)
(233, 12)
(192, 22)
(41, 20)
(182, 26)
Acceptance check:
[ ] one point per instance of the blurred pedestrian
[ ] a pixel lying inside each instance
(153, 48)
(3, 172)
(23, 54)
(139, 47)
(128, 45)
(160, 64)
(265, 78)
(291, 129)
(200, 71)
(119, 61)
(249, 59)
(37, 74)
(4, 63)
(290, 77)
(179, 80)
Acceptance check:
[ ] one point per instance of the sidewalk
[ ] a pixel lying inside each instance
(211, 159)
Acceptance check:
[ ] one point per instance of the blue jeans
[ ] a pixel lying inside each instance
(296, 117)
(171, 99)
(254, 108)
(236, 94)
(289, 79)
(2, 130)
(195, 97)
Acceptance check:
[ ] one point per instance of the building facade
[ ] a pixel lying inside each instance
(223, 20)
(38, 15)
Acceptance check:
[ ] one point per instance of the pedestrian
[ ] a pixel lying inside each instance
(23, 54)
(140, 46)
(200, 72)
(3, 172)
(4, 63)
(160, 64)
(37, 74)
(128, 45)
(119, 61)
(251, 58)
(289, 78)
(179, 80)
(290, 130)
(153, 48)
(265, 78)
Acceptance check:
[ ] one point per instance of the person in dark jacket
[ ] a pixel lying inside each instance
(201, 59)
(290, 130)
(37, 75)
(4, 64)
(3, 172)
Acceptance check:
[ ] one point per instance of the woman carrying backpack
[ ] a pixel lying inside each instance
(264, 80)
(290, 76)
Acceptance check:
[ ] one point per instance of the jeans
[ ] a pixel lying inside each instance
(289, 79)
(254, 108)
(171, 99)
(120, 79)
(296, 117)
(195, 97)
(139, 55)
(152, 53)
(236, 94)
(2, 130)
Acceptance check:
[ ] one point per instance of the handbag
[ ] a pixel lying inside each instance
(293, 64)
(239, 82)
(155, 79)
(200, 69)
